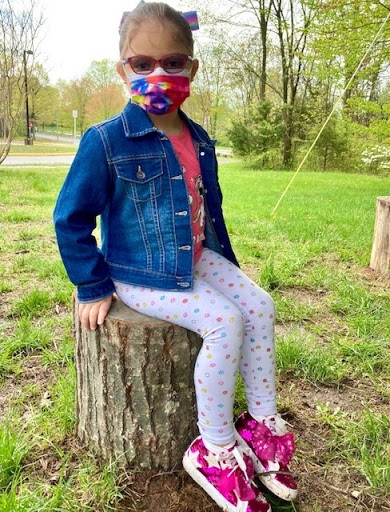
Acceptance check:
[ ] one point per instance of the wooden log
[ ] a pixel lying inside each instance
(380, 254)
(135, 399)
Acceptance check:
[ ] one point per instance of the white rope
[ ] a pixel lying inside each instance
(332, 112)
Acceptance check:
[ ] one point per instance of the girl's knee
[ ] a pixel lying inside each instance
(227, 323)
(267, 300)
(262, 299)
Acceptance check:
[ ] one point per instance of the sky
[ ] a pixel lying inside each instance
(77, 32)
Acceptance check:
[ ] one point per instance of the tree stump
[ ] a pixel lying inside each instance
(135, 399)
(380, 255)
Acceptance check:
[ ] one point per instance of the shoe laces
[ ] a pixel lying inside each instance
(275, 423)
(236, 460)
(232, 458)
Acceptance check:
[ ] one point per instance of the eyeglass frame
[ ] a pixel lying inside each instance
(158, 61)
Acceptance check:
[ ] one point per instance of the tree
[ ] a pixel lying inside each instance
(42, 96)
(267, 41)
(108, 94)
(351, 55)
(259, 138)
(293, 21)
(300, 55)
(209, 93)
(106, 102)
(19, 28)
(75, 96)
(97, 95)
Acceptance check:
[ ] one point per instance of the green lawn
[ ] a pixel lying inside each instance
(333, 340)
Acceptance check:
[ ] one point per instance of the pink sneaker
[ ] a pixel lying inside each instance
(271, 449)
(226, 476)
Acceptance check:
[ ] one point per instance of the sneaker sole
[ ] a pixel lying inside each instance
(283, 492)
(206, 486)
(202, 481)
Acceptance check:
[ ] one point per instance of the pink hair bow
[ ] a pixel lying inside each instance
(192, 19)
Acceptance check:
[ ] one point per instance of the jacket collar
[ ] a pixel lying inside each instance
(136, 123)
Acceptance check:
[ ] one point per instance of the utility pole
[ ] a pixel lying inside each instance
(28, 140)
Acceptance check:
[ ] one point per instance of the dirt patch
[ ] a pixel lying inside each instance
(34, 377)
(173, 492)
(324, 486)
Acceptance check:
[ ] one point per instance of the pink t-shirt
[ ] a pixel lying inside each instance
(185, 151)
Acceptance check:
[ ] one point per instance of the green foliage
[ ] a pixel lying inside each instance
(377, 160)
(27, 337)
(13, 449)
(364, 357)
(302, 73)
(269, 277)
(258, 137)
(330, 152)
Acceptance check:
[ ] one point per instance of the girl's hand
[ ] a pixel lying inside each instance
(93, 314)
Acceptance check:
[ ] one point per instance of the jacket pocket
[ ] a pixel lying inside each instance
(142, 180)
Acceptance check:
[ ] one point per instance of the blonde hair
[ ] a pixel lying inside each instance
(160, 12)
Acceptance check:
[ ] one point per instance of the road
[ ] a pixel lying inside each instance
(48, 160)
(34, 160)
(58, 138)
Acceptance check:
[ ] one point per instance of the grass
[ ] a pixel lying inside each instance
(13, 449)
(364, 443)
(42, 147)
(312, 254)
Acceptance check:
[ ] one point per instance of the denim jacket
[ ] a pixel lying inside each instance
(126, 172)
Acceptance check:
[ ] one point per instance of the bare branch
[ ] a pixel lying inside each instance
(20, 23)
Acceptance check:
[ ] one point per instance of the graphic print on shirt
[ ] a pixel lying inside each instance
(197, 207)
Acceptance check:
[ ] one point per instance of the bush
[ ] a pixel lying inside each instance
(377, 160)
(258, 138)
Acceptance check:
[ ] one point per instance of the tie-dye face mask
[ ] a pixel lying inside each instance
(159, 93)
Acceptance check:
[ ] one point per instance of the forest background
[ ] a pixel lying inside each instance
(272, 72)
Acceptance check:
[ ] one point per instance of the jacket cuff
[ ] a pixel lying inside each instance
(96, 291)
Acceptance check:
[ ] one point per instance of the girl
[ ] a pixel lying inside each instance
(150, 173)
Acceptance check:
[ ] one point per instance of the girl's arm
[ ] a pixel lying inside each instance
(83, 197)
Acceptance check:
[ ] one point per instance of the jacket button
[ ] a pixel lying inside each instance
(202, 153)
(140, 173)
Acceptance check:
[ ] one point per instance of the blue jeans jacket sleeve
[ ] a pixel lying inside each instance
(82, 199)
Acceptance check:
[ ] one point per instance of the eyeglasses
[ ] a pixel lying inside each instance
(143, 65)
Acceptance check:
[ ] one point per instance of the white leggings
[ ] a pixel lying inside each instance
(235, 319)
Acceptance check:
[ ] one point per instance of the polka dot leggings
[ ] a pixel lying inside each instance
(235, 319)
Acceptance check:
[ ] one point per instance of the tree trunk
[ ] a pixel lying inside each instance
(135, 395)
(380, 255)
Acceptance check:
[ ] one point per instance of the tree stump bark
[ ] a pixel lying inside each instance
(380, 255)
(135, 399)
